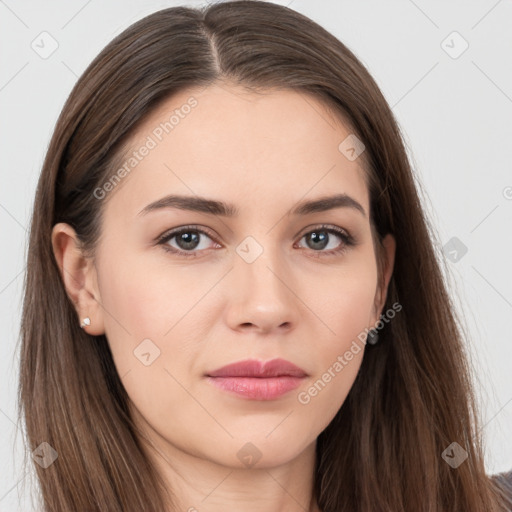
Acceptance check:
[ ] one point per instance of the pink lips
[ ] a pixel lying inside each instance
(258, 380)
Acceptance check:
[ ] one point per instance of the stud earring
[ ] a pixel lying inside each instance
(373, 337)
(85, 321)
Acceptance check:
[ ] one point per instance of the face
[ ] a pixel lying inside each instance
(185, 292)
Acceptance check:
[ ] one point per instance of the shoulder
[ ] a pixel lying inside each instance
(504, 481)
(503, 478)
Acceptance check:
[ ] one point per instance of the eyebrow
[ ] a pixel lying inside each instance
(214, 207)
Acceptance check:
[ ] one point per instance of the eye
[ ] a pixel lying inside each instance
(188, 239)
(321, 237)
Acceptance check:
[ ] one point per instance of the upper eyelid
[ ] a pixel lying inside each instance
(171, 233)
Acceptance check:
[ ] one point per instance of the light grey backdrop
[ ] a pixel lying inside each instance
(445, 67)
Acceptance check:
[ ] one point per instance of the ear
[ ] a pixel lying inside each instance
(386, 264)
(79, 277)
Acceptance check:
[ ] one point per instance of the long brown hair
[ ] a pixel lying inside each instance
(412, 397)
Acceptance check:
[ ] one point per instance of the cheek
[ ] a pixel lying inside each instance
(142, 296)
(151, 316)
(145, 318)
(137, 304)
(347, 302)
(345, 310)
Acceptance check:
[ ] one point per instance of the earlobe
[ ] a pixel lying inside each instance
(79, 277)
(389, 244)
(387, 264)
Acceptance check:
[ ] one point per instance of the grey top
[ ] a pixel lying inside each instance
(505, 482)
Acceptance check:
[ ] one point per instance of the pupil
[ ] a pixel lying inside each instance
(188, 240)
(323, 242)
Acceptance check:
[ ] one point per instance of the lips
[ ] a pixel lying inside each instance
(259, 369)
(256, 380)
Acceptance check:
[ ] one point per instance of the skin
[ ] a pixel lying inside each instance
(264, 153)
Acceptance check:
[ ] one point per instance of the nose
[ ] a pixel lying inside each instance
(261, 297)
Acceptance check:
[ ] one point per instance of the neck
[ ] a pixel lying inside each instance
(200, 484)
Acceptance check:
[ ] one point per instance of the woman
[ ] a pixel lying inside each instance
(232, 297)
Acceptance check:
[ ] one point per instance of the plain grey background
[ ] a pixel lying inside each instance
(445, 69)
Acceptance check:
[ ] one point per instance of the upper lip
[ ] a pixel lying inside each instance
(254, 368)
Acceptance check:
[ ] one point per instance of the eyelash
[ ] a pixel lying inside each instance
(347, 240)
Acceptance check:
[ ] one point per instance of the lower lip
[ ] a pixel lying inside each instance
(256, 388)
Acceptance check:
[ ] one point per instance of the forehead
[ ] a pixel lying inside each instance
(223, 141)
